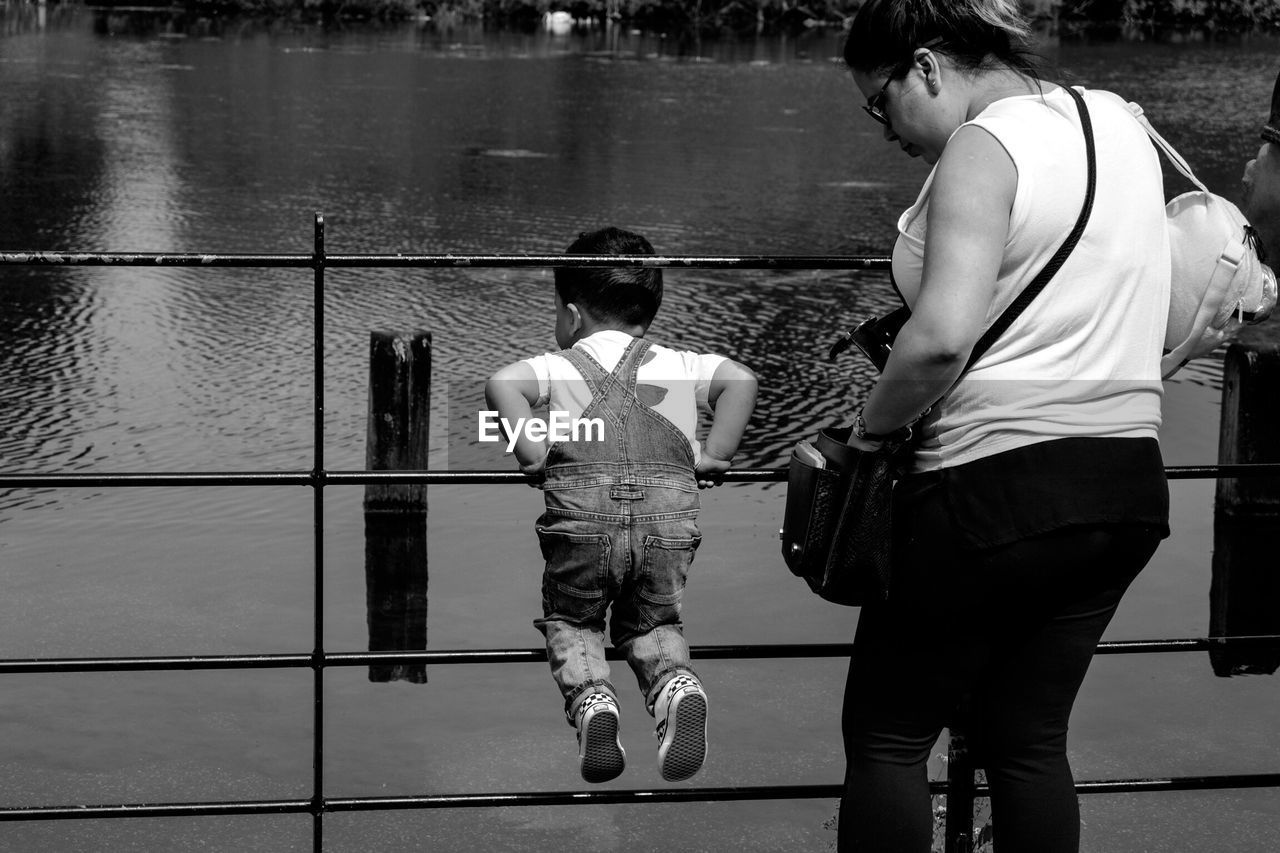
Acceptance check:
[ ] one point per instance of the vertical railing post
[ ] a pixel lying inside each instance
(960, 790)
(318, 474)
(1244, 594)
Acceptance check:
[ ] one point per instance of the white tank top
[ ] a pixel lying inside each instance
(1083, 359)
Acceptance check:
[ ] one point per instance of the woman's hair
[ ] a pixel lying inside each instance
(977, 34)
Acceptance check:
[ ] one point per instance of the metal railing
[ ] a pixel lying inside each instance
(959, 788)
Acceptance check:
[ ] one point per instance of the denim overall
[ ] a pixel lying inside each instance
(619, 529)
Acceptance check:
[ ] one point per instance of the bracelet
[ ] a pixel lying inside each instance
(898, 436)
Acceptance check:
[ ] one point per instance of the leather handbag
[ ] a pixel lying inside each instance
(837, 524)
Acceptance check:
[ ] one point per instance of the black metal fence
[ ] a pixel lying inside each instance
(960, 788)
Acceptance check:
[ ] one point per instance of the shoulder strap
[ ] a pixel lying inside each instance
(592, 373)
(635, 354)
(1161, 143)
(1037, 284)
(598, 379)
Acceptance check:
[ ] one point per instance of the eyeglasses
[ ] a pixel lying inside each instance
(875, 104)
(1270, 134)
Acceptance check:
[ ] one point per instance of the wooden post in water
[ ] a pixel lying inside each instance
(399, 403)
(395, 515)
(1245, 591)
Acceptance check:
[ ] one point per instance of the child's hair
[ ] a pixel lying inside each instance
(629, 295)
(977, 34)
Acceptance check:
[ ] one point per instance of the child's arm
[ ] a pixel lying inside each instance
(511, 392)
(732, 395)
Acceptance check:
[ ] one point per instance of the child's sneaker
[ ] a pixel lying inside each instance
(600, 755)
(681, 711)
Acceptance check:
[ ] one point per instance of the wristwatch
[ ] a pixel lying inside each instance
(898, 436)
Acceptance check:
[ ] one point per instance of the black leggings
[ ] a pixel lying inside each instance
(1007, 632)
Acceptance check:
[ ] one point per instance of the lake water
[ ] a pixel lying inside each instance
(154, 134)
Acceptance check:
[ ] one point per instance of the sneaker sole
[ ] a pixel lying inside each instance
(602, 756)
(685, 746)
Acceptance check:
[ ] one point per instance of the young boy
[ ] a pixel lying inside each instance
(621, 497)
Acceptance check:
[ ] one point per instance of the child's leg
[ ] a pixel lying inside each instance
(576, 655)
(574, 602)
(655, 656)
(646, 626)
(578, 665)
(645, 623)
(676, 699)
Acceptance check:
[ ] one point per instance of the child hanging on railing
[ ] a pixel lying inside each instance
(620, 470)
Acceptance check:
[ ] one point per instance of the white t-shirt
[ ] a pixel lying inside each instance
(1084, 358)
(682, 380)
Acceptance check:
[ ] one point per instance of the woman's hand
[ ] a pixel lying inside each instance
(865, 445)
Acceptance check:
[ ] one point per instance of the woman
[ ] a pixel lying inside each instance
(1036, 491)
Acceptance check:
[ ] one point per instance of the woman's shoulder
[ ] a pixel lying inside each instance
(1047, 103)
(1041, 128)
(1053, 101)
(977, 162)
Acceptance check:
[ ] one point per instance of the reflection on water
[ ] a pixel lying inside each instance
(170, 134)
(396, 590)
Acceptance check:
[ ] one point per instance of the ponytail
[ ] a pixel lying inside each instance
(977, 34)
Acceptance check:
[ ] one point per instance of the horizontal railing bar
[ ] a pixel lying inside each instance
(1173, 783)
(155, 810)
(299, 478)
(195, 478)
(751, 475)
(764, 792)
(538, 655)
(445, 260)
(476, 656)
(156, 663)
(1193, 644)
(463, 656)
(760, 262)
(1204, 472)
(153, 259)
(778, 650)
(565, 798)
(356, 478)
(608, 797)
